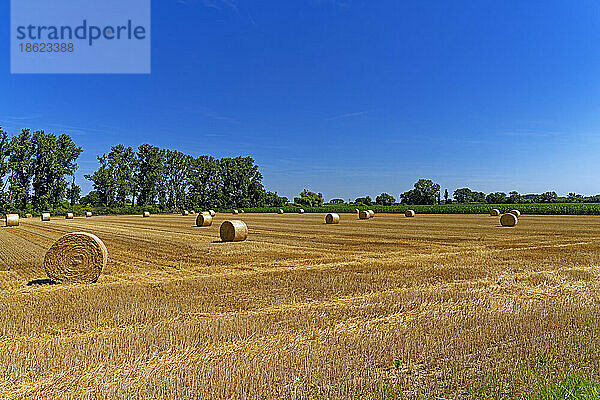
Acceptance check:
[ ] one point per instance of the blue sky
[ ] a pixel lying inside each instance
(348, 97)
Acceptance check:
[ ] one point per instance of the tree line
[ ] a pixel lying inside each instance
(426, 192)
(37, 169)
(174, 180)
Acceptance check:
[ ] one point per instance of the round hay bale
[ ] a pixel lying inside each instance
(146, 214)
(12, 220)
(233, 231)
(364, 214)
(192, 212)
(494, 212)
(509, 219)
(372, 213)
(76, 257)
(517, 213)
(204, 219)
(88, 214)
(212, 213)
(45, 216)
(242, 211)
(332, 218)
(356, 210)
(409, 213)
(280, 211)
(28, 216)
(301, 211)
(185, 213)
(235, 212)
(69, 216)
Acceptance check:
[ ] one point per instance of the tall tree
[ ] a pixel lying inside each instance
(122, 163)
(149, 173)
(73, 192)
(425, 192)
(103, 181)
(20, 163)
(240, 182)
(4, 152)
(53, 159)
(205, 182)
(177, 173)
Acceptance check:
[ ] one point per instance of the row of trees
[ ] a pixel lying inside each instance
(37, 169)
(172, 179)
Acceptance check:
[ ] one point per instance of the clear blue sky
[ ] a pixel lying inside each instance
(348, 97)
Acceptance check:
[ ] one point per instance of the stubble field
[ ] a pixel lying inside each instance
(437, 305)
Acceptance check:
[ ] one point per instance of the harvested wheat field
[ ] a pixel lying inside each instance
(449, 306)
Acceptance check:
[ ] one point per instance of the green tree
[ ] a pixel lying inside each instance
(514, 197)
(104, 182)
(73, 192)
(241, 182)
(4, 153)
(92, 198)
(122, 162)
(205, 183)
(149, 173)
(309, 199)
(496, 198)
(272, 199)
(425, 192)
(20, 164)
(385, 199)
(177, 177)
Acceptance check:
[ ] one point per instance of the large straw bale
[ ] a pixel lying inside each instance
(45, 217)
(76, 257)
(69, 216)
(233, 231)
(409, 213)
(494, 212)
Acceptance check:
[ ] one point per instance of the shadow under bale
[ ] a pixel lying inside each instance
(45, 281)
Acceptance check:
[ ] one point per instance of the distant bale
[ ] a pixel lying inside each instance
(69, 216)
(280, 211)
(409, 213)
(517, 213)
(242, 211)
(212, 213)
(509, 219)
(28, 216)
(371, 212)
(45, 216)
(76, 257)
(356, 210)
(192, 212)
(301, 211)
(235, 212)
(494, 212)
(146, 214)
(204, 219)
(185, 213)
(364, 214)
(233, 231)
(332, 218)
(88, 214)
(12, 220)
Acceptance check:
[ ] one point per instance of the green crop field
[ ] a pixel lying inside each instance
(531, 208)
